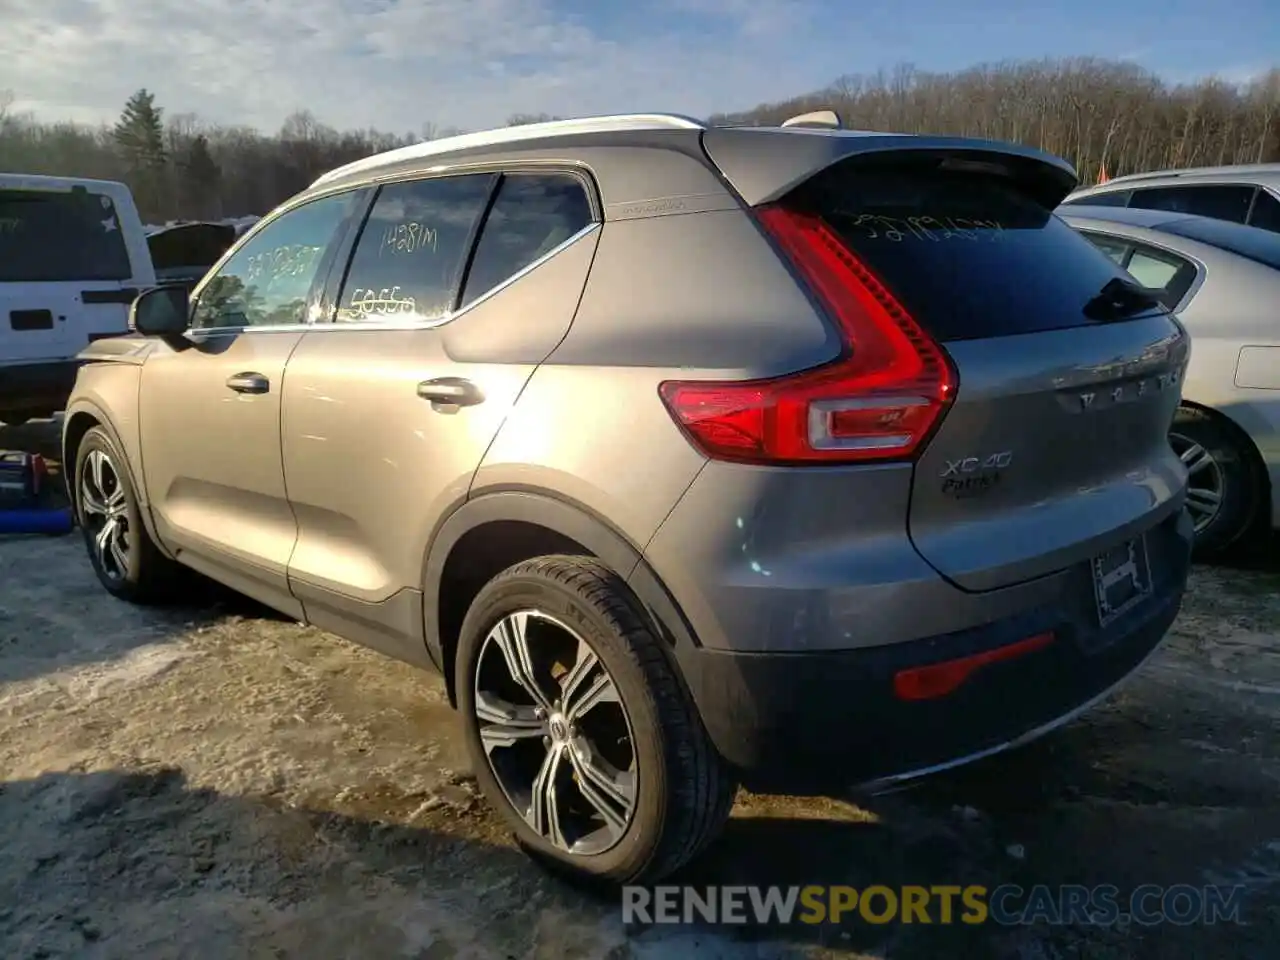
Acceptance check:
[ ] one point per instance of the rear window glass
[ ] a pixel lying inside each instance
(53, 236)
(1252, 243)
(968, 254)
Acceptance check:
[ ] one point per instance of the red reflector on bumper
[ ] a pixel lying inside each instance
(939, 679)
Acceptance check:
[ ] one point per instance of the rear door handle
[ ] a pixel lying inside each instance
(249, 383)
(450, 391)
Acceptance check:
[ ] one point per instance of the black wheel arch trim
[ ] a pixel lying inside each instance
(569, 519)
(91, 409)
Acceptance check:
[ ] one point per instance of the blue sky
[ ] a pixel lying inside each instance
(397, 64)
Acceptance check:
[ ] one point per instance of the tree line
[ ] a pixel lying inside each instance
(1098, 114)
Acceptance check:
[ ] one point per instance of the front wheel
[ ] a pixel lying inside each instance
(127, 563)
(580, 730)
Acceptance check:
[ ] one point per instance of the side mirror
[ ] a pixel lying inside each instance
(161, 311)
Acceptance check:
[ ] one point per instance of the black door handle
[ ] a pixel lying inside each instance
(450, 391)
(249, 383)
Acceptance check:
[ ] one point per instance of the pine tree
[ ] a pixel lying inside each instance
(200, 176)
(139, 133)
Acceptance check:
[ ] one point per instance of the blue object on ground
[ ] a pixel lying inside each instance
(36, 521)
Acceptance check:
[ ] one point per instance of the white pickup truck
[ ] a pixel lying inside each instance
(73, 255)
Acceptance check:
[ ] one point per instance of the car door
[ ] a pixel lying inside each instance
(209, 410)
(457, 287)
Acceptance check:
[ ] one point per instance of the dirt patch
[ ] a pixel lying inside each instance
(217, 782)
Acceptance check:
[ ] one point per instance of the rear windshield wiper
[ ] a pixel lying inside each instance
(1121, 298)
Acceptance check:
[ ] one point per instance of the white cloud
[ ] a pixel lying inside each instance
(393, 64)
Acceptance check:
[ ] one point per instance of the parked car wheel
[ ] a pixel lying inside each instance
(124, 557)
(579, 728)
(1224, 486)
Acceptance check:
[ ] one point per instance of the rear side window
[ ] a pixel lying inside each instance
(54, 236)
(531, 216)
(1153, 270)
(968, 254)
(1266, 212)
(1114, 249)
(409, 259)
(1221, 202)
(1160, 270)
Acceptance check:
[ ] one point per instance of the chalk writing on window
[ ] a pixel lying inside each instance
(896, 229)
(408, 238)
(367, 302)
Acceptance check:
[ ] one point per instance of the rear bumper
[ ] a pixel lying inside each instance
(795, 721)
(37, 386)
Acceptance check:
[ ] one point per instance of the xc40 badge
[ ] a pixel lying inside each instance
(970, 476)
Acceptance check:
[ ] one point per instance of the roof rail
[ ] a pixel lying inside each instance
(503, 135)
(1223, 170)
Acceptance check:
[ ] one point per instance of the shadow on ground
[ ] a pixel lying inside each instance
(55, 615)
(116, 864)
(144, 864)
(1261, 555)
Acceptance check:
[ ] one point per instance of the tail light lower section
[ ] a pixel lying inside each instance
(879, 401)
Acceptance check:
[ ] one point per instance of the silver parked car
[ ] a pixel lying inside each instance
(1243, 193)
(1223, 280)
(690, 456)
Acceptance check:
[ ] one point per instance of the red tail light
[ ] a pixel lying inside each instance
(879, 401)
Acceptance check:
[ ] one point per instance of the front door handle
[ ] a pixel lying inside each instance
(249, 383)
(450, 391)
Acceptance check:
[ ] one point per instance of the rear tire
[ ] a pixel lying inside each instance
(667, 788)
(124, 557)
(1226, 486)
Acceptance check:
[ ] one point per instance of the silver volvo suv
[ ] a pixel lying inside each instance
(790, 457)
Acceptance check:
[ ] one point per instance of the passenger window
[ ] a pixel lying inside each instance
(1112, 248)
(532, 215)
(1169, 274)
(1266, 212)
(409, 259)
(1219, 202)
(267, 281)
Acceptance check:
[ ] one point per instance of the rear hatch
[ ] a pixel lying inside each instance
(65, 272)
(1054, 448)
(184, 253)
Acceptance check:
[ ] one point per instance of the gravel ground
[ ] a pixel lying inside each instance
(217, 782)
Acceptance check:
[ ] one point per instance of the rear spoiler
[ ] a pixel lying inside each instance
(764, 164)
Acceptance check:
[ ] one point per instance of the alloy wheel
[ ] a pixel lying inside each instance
(1205, 480)
(104, 512)
(556, 733)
